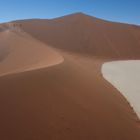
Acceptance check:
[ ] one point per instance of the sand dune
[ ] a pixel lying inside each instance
(20, 52)
(70, 100)
(80, 33)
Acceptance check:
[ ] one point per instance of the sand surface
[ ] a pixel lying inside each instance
(20, 52)
(70, 100)
(125, 76)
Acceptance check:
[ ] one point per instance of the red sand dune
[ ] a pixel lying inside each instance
(70, 100)
(20, 52)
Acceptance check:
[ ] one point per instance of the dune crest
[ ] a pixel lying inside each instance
(20, 52)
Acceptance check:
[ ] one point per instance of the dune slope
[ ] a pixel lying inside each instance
(20, 52)
(88, 35)
(71, 100)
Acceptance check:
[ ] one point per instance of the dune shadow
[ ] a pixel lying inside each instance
(3, 53)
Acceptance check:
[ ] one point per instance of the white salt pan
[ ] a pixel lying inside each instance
(125, 76)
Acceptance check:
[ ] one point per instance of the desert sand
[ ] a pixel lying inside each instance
(20, 52)
(125, 76)
(69, 100)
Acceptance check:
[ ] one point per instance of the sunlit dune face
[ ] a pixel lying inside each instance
(20, 52)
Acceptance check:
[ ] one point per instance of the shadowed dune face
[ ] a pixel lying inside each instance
(4, 50)
(3, 53)
(69, 101)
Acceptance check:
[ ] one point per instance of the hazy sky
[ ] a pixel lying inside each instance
(115, 10)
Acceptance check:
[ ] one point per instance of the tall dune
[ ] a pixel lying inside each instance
(71, 100)
(88, 35)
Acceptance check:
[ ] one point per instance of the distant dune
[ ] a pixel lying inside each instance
(55, 89)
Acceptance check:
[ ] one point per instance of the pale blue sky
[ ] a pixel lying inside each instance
(115, 10)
